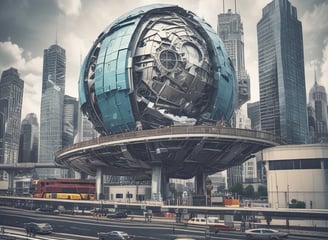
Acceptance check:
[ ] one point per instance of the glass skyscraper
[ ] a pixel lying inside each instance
(52, 109)
(70, 120)
(11, 98)
(51, 129)
(29, 139)
(54, 67)
(281, 73)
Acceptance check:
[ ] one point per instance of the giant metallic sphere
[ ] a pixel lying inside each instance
(156, 66)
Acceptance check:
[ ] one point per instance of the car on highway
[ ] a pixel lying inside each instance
(117, 215)
(33, 228)
(50, 211)
(265, 233)
(197, 221)
(114, 235)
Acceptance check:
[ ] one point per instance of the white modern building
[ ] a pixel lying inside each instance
(297, 172)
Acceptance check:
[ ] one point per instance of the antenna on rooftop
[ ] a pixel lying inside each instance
(56, 35)
(235, 6)
(223, 6)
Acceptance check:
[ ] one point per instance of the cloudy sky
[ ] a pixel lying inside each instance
(27, 27)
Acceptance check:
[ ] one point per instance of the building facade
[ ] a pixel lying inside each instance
(230, 30)
(11, 98)
(52, 109)
(253, 113)
(297, 172)
(317, 113)
(51, 129)
(54, 67)
(281, 73)
(29, 139)
(70, 120)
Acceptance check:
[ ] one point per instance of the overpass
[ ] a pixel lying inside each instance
(13, 168)
(159, 207)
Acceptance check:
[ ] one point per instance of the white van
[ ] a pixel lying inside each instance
(197, 220)
(203, 220)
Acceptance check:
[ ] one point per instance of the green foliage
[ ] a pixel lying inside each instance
(249, 191)
(237, 189)
(209, 186)
(296, 204)
(262, 191)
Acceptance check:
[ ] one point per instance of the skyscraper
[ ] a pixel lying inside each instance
(11, 97)
(230, 30)
(318, 102)
(29, 139)
(253, 113)
(52, 109)
(51, 129)
(70, 120)
(54, 67)
(281, 73)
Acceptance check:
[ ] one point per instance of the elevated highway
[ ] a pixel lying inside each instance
(159, 207)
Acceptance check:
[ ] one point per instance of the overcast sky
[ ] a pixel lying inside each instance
(27, 27)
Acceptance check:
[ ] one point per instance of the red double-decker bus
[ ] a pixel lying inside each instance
(75, 189)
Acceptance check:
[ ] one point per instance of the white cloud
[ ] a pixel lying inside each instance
(75, 47)
(30, 70)
(317, 20)
(70, 7)
(11, 55)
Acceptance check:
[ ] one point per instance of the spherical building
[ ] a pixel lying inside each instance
(156, 66)
(158, 86)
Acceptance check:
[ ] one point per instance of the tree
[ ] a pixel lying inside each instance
(209, 186)
(296, 204)
(262, 191)
(249, 191)
(237, 189)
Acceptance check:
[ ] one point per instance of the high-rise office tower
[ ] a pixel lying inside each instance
(54, 67)
(230, 30)
(51, 129)
(70, 120)
(318, 102)
(11, 98)
(253, 113)
(86, 130)
(52, 109)
(29, 139)
(281, 73)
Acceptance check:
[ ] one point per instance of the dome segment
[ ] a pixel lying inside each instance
(156, 66)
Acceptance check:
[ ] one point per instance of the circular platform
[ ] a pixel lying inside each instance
(182, 151)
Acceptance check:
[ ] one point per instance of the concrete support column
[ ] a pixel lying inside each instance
(156, 184)
(200, 179)
(99, 184)
(166, 190)
(11, 175)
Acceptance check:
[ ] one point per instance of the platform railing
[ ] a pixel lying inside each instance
(176, 130)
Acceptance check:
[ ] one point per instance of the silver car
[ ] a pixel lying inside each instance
(265, 233)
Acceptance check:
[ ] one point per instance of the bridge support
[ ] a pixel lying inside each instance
(99, 184)
(11, 176)
(200, 179)
(156, 184)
